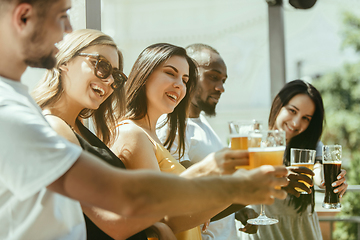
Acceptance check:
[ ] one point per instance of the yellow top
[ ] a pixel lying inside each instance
(168, 164)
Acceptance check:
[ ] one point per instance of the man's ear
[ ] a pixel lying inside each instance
(64, 67)
(21, 16)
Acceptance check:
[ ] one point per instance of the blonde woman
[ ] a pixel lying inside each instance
(87, 83)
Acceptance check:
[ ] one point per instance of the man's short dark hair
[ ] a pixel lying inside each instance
(40, 5)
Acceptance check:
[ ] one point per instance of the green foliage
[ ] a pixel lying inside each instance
(341, 94)
(351, 32)
(350, 204)
(347, 230)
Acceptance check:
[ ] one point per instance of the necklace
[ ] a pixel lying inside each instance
(49, 114)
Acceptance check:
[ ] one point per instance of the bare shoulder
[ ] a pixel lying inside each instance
(131, 134)
(62, 128)
(134, 147)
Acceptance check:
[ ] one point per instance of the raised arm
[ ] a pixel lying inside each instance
(141, 193)
(152, 194)
(115, 225)
(145, 193)
(137, 151)
(219, 163)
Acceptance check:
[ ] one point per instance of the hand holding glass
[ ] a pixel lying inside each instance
(302, 158)
(265, 148)
(331, 168)
(239, 131)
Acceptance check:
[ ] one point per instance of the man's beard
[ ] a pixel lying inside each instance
(208, 109)
(47, 62)
(33, 51)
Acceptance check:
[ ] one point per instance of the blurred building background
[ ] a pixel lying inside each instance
(238, 29)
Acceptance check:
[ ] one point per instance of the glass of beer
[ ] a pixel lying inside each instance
(331, 168)
(302, 158)
(265, 148)
(239, 131)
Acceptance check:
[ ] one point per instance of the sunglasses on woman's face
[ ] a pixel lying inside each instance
(103, 69)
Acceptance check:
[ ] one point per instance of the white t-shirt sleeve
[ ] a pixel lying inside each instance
(174, 150)
(32, 154)
(318, 149)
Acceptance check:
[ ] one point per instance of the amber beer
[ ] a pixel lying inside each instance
(302, 158)
(239, 142)
(266, 156)
(239, 132)
(239, 136)
(331, 171)
(265, 148)
(307, 165)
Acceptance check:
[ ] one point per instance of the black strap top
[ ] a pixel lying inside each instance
(94, 145)
(91, 143)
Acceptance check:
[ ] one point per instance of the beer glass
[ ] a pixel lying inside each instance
(265, 148)
(239, 131)
(331, 168)
(302, 158)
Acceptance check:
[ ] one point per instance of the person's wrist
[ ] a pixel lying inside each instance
(235, 185)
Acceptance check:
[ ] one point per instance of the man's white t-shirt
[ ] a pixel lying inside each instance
(32, 156)
(200, 141)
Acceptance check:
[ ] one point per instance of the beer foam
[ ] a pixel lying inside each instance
(267, 149)
(301, 163)
(237, 135)
(331, 162)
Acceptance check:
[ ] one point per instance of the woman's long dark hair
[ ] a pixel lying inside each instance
(309, 138)
(136, 103)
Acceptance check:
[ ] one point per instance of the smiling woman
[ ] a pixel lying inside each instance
(299, 111)
(73, 88)
(170, 78)
(161, 58)
(298, 108)
(295, 116)
(87, 82)
(161, 81)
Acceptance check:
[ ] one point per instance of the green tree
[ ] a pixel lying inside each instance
(341, 95)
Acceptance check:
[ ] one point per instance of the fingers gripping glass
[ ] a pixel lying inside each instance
(103, 69)
(265, 148)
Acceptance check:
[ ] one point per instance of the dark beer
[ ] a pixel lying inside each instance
(331, 171)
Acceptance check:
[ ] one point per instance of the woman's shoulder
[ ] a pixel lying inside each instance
(128, 128)
(62, 128)
(134, 147)
(129, 132)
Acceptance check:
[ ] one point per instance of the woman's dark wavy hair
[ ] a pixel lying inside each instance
(136, 103)
(309, 138)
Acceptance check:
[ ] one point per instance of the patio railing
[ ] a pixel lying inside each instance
(354, 219)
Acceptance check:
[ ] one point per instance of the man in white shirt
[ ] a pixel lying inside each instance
(40, 171)
(201, 139)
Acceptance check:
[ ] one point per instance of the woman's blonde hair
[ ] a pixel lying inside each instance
(50, 88)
